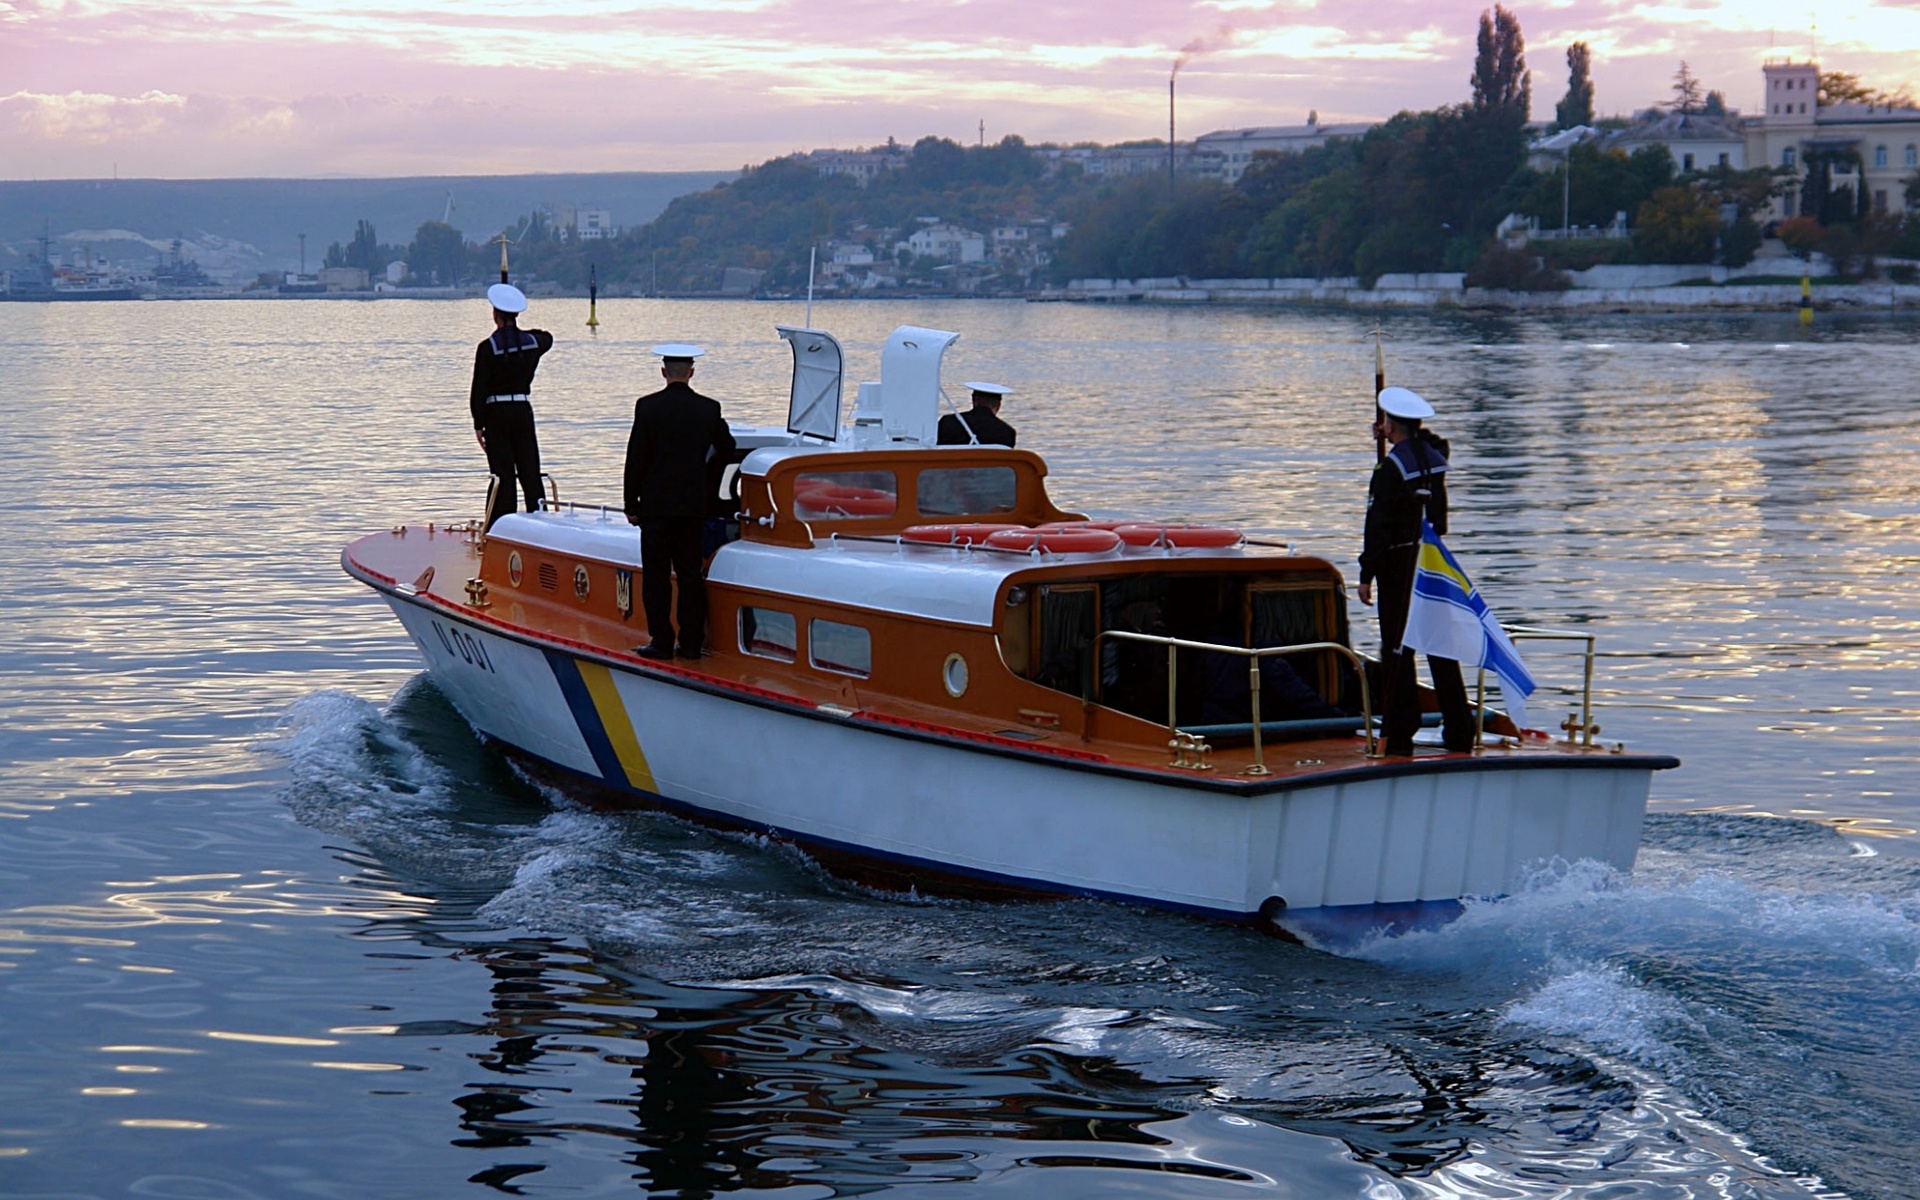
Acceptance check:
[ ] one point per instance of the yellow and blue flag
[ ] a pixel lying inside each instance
(1447, 619)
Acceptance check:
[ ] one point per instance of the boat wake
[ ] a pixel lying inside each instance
(1619, 1027)
(1743, 951)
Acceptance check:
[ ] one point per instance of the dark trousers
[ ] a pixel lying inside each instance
(673, 543)
(1399, 697)
(512, 452)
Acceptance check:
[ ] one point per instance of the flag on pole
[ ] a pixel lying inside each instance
(1447, 619)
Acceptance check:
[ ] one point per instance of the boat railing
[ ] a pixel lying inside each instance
(550, 501)
(1585, 729)
(1184, 744)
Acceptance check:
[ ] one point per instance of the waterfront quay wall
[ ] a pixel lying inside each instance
(1602, 289)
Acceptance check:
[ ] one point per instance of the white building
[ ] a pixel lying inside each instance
(1696, 141)
(1794, 122)
(948, 243)
(864, 166)
(1232, 150)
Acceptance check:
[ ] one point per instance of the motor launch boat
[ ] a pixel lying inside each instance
(926, 675)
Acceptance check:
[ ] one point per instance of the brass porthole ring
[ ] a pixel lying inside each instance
(581, 581)
(513, 568)
(954, 675)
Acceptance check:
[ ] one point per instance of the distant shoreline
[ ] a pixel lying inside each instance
(1683, 298)
(1672, 298)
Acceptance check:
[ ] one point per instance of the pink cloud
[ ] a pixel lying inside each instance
(326, 88)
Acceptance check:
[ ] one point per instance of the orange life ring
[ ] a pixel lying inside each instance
(839, 499)
(1212, 537)
(1055, 541)
(954, 535)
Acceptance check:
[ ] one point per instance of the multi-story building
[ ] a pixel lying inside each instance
(1886, 139)
(1229, 152)
(948, 243)
(1697, 141)
(587, 224)
(863, 166)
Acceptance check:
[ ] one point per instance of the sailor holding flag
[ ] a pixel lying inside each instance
(1408, 494)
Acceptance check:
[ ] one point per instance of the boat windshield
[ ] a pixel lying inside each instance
(844, 495)
(954, 491)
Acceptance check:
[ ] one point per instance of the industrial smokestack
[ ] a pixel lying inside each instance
(1170, 174)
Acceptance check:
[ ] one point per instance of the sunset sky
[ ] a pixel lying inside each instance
(221, 88)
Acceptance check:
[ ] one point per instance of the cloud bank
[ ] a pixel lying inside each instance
(388, 87)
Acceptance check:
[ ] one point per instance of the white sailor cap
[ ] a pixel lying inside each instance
(507, 298)
(1404, 403)
(682, 350)
(991, 389)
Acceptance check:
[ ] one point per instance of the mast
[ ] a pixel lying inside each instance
(1379, 385)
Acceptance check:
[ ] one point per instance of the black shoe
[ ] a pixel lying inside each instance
(655, 650)
(1398, 750)
(690, 652)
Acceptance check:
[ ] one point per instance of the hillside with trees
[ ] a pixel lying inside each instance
(1423, 191)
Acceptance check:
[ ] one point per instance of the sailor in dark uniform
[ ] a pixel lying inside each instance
(678, 446)
(501, 400)
(980, 424)
(1409, 482)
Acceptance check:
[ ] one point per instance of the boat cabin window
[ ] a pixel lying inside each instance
(844, 495)
(1210, 688)
(842, 649)
(953, 491)
(768, 633)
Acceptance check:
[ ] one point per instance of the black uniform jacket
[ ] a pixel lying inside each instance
(679, 445)
(987, 427)
(503, 365)
(1412, 478)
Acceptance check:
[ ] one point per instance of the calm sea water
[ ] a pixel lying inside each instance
(273, 923)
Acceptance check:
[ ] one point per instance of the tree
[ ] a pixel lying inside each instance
(1686, 90)
(1800, 234)
(1676, 225)
(1820, 197)
(1577, 108)
(1844, 87)
(1500, 77)
(1715, 105)
(438, 253)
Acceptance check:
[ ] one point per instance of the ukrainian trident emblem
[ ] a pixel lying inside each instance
(623, 593)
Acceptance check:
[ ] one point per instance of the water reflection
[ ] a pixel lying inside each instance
(1720, 499)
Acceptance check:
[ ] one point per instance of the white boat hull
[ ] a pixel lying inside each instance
(922, 806)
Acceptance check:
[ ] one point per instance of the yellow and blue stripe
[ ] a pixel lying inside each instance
(602, 717)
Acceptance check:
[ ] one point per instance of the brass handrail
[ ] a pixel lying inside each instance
(1253, 655)
(1522, 633)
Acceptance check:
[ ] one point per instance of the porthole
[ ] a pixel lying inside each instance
(514, 568)
(954, 675)
(581, 581)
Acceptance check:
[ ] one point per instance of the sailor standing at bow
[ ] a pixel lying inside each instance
(501, 400)
(1409, 482)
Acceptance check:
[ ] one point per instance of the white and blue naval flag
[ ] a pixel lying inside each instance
(1448, 619)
